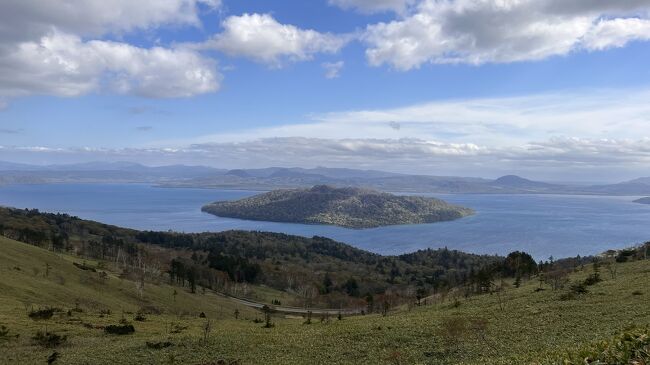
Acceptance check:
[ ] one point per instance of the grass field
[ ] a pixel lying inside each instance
(520, 326)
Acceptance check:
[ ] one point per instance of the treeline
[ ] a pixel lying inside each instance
(318, 270)
(308, 267)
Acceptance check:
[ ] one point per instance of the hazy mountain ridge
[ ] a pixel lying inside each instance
(346, 207)
(290, 178)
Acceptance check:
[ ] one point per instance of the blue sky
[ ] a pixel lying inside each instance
(544, 88)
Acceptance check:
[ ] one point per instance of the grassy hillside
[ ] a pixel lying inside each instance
(336, 273)
(24, 281)
(521, 325)
(346, 207)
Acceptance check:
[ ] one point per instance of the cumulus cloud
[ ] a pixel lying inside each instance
(374, 6)
(616, 33)
(263, 39)
(23, 20)
(44, 49)
(333, 69)
(64, 65)
(482, 31)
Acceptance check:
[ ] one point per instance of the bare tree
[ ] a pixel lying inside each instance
(207, 328)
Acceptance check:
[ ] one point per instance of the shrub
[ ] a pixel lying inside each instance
(453, 331)
(140, 317)
(629, 348)
(592, 279)
(176, 328)
(4, 333)
(150, 309)
(123, 329)
(159, 345)
(624, 255)
(43, 314)
(84, 267)
(49, 339)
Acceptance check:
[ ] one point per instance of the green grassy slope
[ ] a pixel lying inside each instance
(521, 326)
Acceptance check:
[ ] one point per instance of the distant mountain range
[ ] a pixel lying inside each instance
(98, 172)
(278, 177)
(346, 207)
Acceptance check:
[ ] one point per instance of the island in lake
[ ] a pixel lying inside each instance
(643, 200)
(346, 207)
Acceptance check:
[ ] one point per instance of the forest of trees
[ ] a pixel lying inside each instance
(317, 269)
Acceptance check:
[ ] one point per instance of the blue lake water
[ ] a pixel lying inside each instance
(542, 225)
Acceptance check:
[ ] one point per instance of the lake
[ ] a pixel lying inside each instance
(543, 225)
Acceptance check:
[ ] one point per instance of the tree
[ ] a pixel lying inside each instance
(207, 328)
(420, 293)
(191, 278)
(351, 287)
(370, 303)
(519, 264)
(267, 316)
(327, 284)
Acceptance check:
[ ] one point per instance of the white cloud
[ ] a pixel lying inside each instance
(262, 38)
(333, 69)
(481, 31)
(64, 65)
(374, 6)
(493, 122)
(49, 47)
(555, 158)
(616, 33)
(31, 19)
(567, 136)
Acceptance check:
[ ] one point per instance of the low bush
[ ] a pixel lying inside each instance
(632, 347)
(592, 280)
(159, 345)
(43, 314)
(150, 309)
(49, 339)
(84, 267)
(176, 328)
(4, 333)
(624, 255)
(122, 329)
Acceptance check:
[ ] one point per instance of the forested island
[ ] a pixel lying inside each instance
(346, 207)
